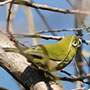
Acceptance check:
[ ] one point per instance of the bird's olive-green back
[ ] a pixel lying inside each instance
(60, 50)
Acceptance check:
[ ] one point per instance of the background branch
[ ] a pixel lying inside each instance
(59, 30)
(45, 7)
(44, 37)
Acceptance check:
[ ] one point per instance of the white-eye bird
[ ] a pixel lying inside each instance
(54, 56)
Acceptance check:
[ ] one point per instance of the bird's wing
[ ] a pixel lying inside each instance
(37, 52)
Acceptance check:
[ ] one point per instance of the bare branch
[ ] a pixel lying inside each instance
(86, 41)
(44, 37)
(69, 2)
(68, 74)
(77, 79)
(37, 36)
(45, 22)
(45, 7)
(59, 30)
(2, 88)
(8, 17)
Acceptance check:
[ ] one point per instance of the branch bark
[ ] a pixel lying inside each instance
(21, 70)
(45, 7)
(44, 37)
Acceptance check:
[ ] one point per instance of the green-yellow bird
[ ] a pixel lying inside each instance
(54, 56)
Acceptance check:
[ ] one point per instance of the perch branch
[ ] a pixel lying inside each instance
(44, 37)
(21, 70)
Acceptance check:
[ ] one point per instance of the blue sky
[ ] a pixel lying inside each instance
(55, 20)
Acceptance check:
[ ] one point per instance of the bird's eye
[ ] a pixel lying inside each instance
(74, 43)
(80, 42)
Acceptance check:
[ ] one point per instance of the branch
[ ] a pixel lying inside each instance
(59, 30)
(77, 79)
(86, 41)
(37, 36)
(68, 74)
(45, 22)
(21, 70)
(45, 7)
(44, 37)
(2, 88)
(8, 17)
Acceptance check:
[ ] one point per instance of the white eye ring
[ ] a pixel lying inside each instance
(74, 43)
(80, 42)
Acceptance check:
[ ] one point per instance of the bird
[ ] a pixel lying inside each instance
(55, 56)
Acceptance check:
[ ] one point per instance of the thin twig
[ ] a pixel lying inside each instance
(2, 88)
(77, 79)
(44, 37)
(27, 42)
(8, 17)
(59, 30)
(70, 4)
(73, 80)
(68, 73)
(37, 36)
(86, 42)
(84, 57)
(45, 22)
